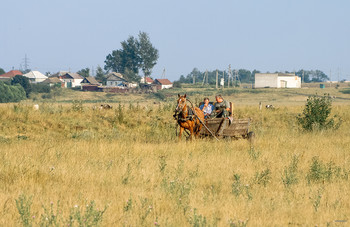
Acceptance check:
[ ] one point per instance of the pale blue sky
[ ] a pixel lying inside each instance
(268, 35)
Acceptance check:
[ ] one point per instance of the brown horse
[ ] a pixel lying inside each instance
(187, 117)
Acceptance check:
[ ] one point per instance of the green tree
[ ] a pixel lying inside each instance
(114, 61)
(245, 75)
(126, 58)
(312, 75)
(304, 75)
(131, 75)
(24, 82)
(148, 54)
(84, 72)
(2, 71)
(134, 55)
(101, 75)
(319, 76)
(131, 57)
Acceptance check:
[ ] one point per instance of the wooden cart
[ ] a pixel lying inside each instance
(227, 127)
(224, 127)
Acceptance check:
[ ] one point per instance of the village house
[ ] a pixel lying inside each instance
(72, 80)
(117, 80)
(52, 81)
(146, 80)
(59, 74)
(35, 76)
(277, 80)
(10, 74)
(163, 83)
(90, 84)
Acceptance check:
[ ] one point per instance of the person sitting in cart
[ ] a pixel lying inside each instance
(221, 107)
(207, 108)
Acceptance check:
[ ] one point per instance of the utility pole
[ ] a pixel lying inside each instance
(229, 74)
(302, 77)
(194, 78)
(163, 74)
(330, 78)
(223, 77)
(216, 86)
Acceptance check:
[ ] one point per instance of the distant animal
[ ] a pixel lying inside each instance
(268, 106)
(187, 118)
(105, 107)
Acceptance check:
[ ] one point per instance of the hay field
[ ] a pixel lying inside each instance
(68, 162)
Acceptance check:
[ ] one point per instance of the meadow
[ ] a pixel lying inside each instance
(71, 164)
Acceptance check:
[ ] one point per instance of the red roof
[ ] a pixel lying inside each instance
(12, 74)
(149, 80)
(164, 81)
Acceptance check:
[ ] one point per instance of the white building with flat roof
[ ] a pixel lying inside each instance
(277, 80)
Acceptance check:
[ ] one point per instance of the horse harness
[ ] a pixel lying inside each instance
(190, 115)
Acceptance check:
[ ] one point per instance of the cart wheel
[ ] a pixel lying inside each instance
(251, 137)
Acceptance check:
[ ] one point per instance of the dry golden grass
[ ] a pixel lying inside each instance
(133, 164)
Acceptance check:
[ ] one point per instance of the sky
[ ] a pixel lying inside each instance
(267, 35)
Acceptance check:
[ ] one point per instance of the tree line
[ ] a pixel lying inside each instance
(246, 76)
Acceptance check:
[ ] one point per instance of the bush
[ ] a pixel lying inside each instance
(24, 82)
(316, 112)
(41, 88)
(345, 91)
(177, 84)
(9, 93)
(320, 172)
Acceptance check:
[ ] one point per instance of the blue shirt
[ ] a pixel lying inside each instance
(207, 110)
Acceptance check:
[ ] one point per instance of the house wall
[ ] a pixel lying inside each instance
(114, 83)
(75, 82)
(291, 81)
(39, 80)
(167, 86)
(266, 80)
(273, 80)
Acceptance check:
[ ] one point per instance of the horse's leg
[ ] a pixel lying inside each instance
(191, 131)
(180, 133)
(199, 128)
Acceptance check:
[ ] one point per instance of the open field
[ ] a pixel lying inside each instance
(128, 160)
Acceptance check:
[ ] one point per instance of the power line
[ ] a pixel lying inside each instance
(25, 62)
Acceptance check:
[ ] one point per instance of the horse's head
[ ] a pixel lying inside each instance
(181, 103)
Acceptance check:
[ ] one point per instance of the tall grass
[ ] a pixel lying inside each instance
(129, 160)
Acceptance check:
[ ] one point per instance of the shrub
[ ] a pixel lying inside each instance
(263, 178)
(320, 172)
(345, 91)
(41, 88)
(23, 204)
(316, 112)
(9, 93)
(177, 84)
(290, 174)
(24, 82)
(159, 95)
